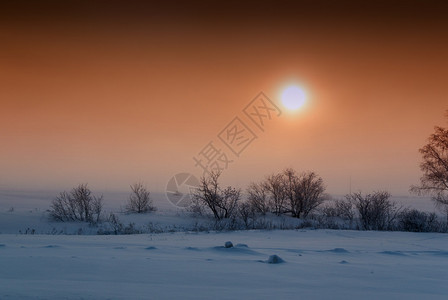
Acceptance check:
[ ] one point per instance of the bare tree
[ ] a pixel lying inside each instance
(376, 211)
(222, 202)
(78, 205)
(258, 199)
(290, 186)
(305, 192)
(344, 209)
(63, 208)
(288, 191)
(434, 181)
(275, 187)
(229, 201)
(340, 208)
(310, 192)
(139, 200)
(96, 206)
(247, 213)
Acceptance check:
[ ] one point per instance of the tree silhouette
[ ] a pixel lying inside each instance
(434, 166)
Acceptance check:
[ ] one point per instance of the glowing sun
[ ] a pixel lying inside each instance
(293, 97)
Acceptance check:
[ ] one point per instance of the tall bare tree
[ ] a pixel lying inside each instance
(434, 166)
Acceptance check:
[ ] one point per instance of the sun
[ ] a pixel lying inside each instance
(293, 97)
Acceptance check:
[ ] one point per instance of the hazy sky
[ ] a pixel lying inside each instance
(110, 93)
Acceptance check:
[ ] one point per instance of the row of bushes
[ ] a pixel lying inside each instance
(80, 205)
(328, 217)
(286, 200)
(287, 192)
(376, 212)
(303, 196)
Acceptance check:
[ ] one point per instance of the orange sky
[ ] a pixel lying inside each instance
(111, 93)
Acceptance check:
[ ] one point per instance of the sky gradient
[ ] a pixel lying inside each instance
(111, 93)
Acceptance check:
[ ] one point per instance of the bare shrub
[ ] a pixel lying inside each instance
(376, 211)
(418, 221)
(115, 224)
(139, 200)
(197, 207)
(221, 202)
(340, 208)
(78, 205)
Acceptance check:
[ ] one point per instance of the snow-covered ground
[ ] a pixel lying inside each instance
(319, 264)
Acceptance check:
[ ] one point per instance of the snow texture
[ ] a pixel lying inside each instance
(374, 265)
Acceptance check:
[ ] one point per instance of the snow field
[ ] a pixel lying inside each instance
(318, 264)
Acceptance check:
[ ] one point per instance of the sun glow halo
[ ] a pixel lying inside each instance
(293, 98)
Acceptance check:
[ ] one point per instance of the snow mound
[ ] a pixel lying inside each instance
(338, 250)
(275, 259)
(238, 249)
(52, 246)
(192, 248)
(395, 253)
(228, 244)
